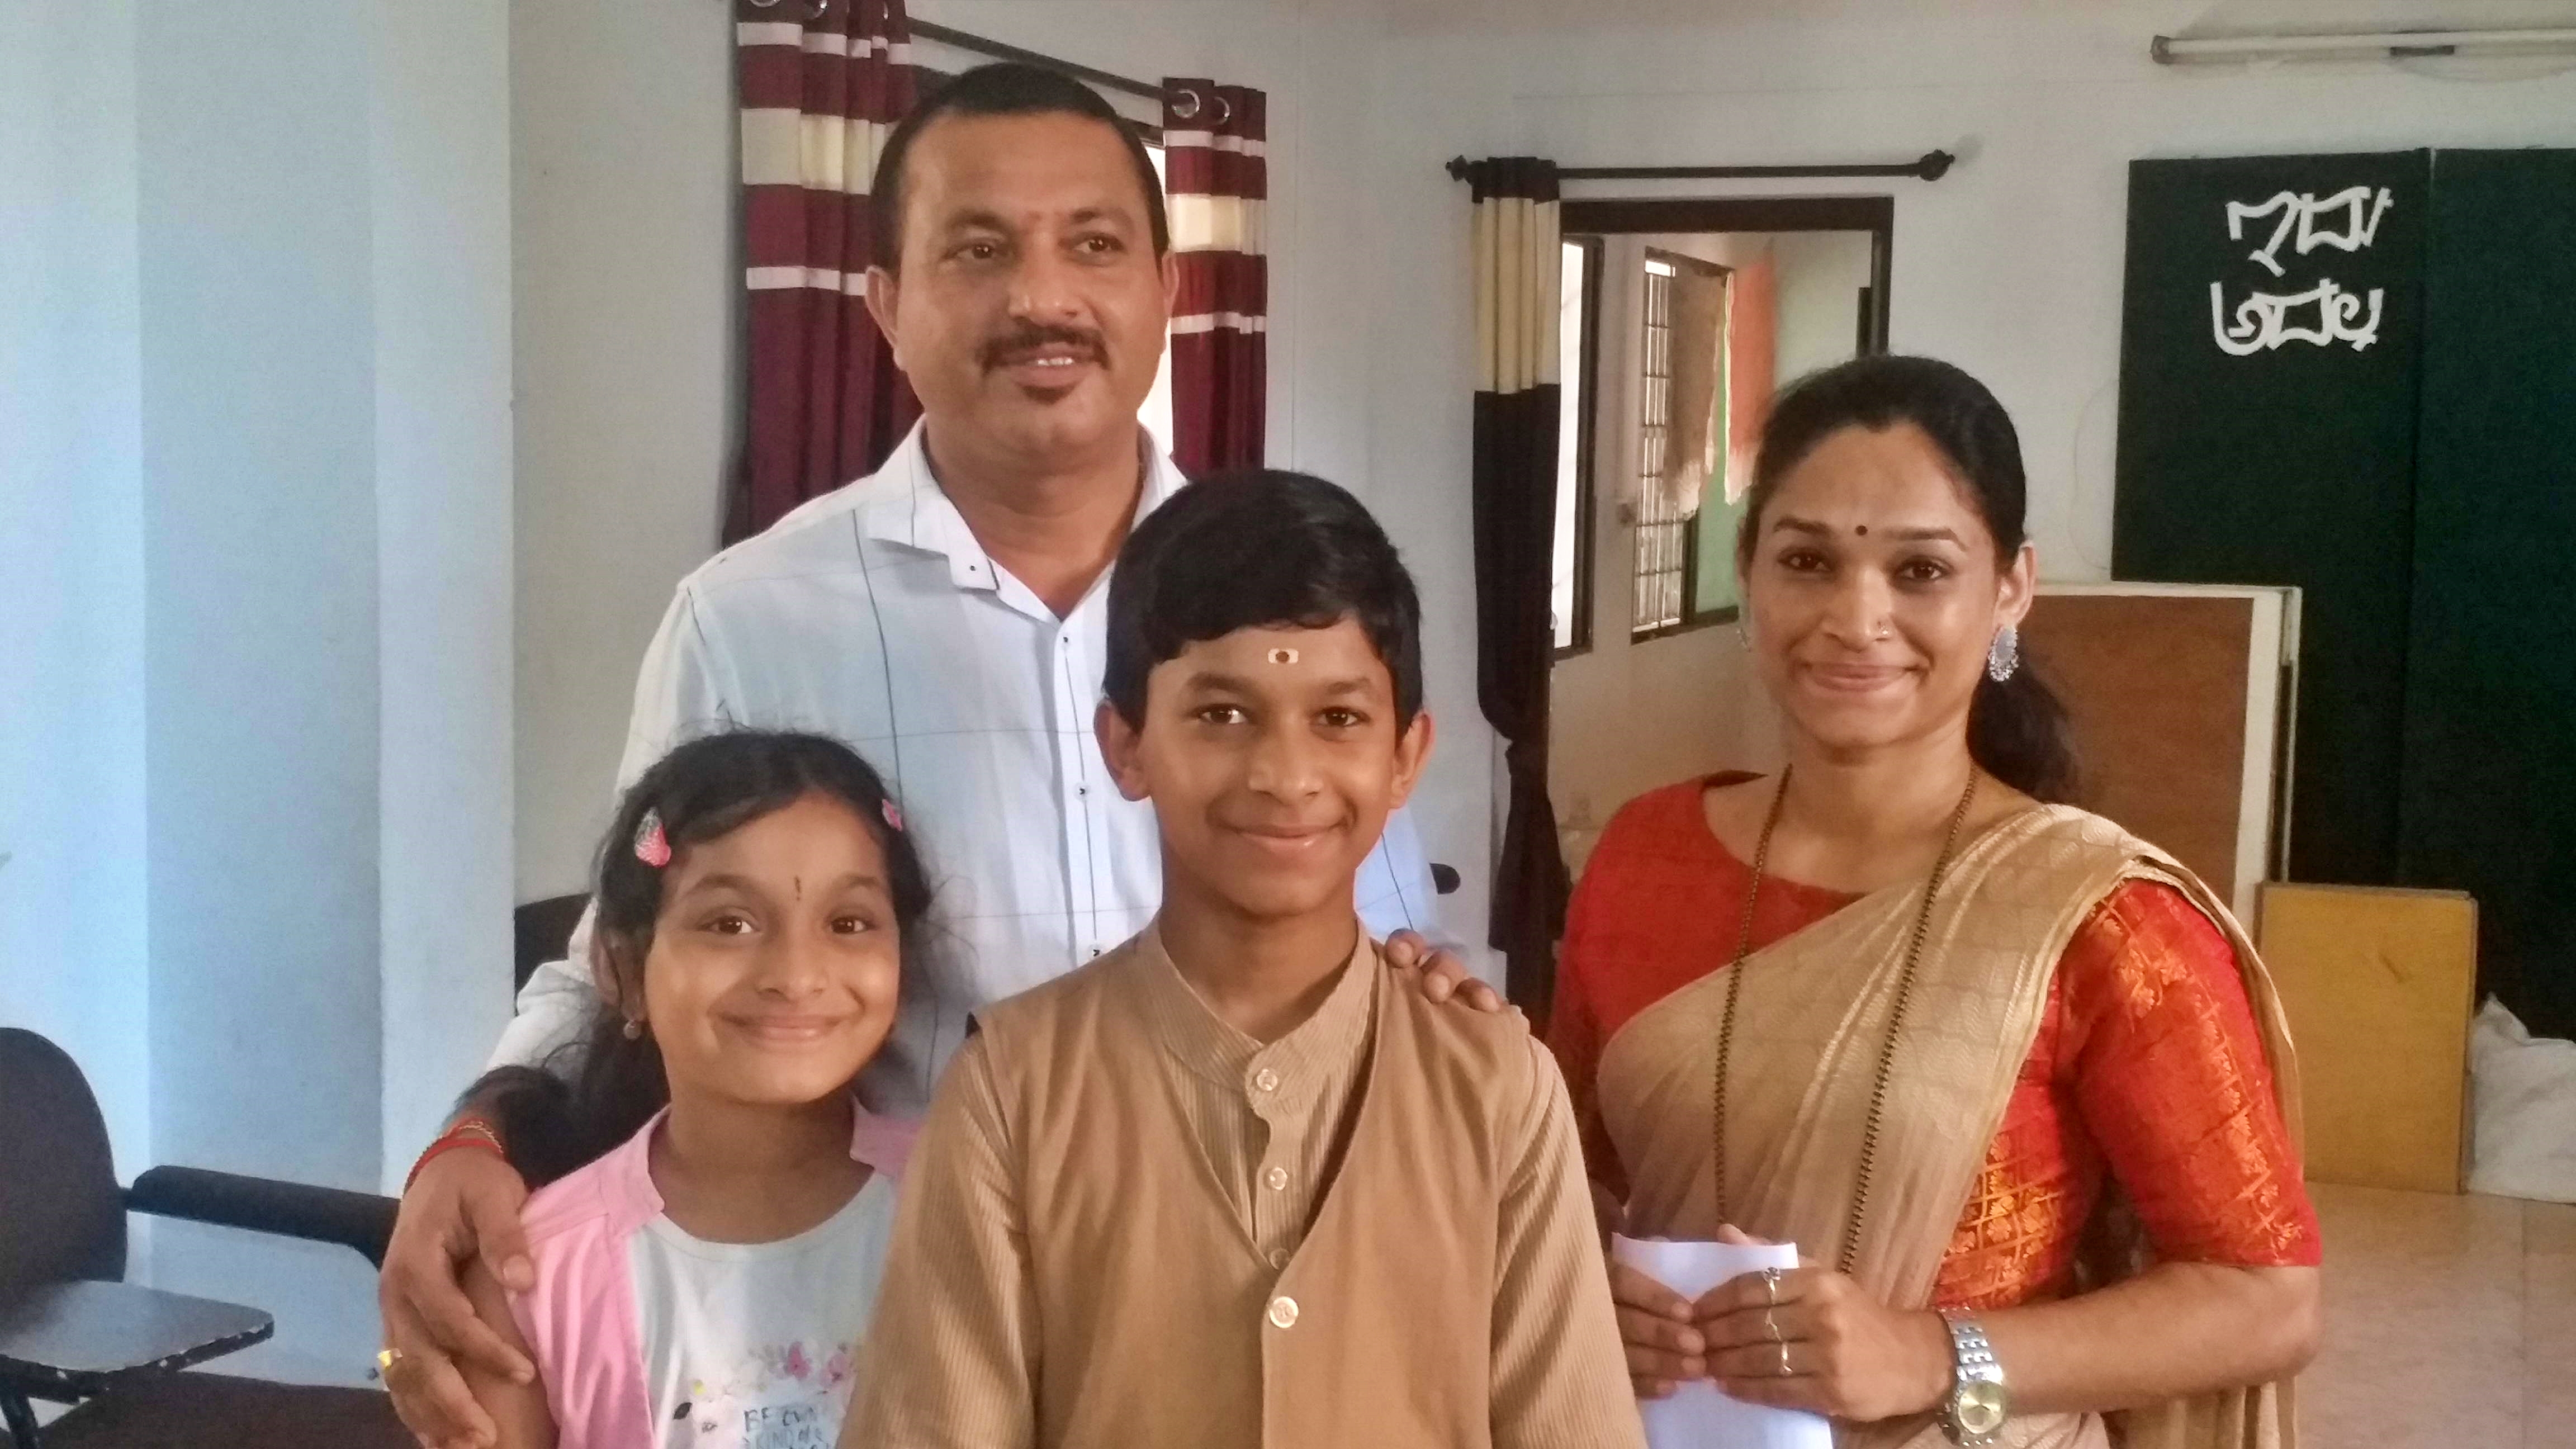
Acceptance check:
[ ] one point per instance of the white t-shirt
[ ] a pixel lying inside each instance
(750, 1345)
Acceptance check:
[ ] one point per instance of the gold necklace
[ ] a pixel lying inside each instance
(1895, 1020)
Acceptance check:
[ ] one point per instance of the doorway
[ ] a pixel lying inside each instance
(1679, 320)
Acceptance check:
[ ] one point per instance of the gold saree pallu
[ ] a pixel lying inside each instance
(1812, 1014)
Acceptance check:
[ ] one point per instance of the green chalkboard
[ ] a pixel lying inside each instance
(2269, 369)
(2490, 771)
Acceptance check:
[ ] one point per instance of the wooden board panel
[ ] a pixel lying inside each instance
(2156, 685)
(2378, 984)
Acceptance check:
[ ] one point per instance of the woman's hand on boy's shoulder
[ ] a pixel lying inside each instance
(1439, 973)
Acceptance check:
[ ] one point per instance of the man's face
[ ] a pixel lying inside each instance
(1273, 758)
(1029, 309)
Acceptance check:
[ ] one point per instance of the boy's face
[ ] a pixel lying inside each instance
(1273, 758)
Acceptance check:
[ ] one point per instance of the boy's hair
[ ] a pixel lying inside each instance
(1250, 549)
(1006, 88)
(706, 788)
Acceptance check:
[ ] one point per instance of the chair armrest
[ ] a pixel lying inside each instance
(69, 1341)
(360, 1220)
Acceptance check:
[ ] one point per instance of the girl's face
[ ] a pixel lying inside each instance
(771, 979)
(1874, 593)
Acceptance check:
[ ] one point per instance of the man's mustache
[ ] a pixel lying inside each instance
(1002, 350)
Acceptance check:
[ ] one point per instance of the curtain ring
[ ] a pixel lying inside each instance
(1223, 121)
(1185, 104)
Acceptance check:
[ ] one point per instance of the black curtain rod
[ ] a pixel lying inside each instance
(1931, 166)
(1002, 51)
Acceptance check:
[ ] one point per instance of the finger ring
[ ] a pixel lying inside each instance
(1784, 1360)
(386, 1358)
(1771, 1287)
(1771, 1328)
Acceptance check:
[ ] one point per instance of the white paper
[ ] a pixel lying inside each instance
(1697, 1415)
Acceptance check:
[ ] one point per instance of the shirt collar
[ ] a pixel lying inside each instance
(883, 1143)
(902, 503)
(1311, 1054)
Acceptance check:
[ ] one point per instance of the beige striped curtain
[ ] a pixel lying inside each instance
(822, 83)
(1516, 262)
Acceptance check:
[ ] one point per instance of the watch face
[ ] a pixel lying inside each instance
(1979, 1408)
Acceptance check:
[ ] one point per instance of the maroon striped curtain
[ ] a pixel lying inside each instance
(1218, 178)
(822, 83)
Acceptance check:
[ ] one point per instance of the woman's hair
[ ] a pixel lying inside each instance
(558, 1120)
(2017, 730)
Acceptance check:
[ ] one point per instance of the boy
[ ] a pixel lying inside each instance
(1226, 1185)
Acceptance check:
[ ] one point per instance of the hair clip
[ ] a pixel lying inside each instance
(892, 812)
(652, 846)
(1283, 656)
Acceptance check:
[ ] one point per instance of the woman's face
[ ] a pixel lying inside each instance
(772, 975)
(1874, 593)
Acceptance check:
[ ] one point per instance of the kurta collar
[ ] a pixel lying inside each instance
(1298, 1065)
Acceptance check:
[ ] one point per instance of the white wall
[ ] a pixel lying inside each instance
(1820, 276)
(323, 262)
(72, 929)
(623, 217)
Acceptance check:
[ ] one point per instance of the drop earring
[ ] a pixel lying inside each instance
(633, 1030)
(2004, 655)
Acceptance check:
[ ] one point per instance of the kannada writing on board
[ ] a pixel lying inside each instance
(2347, 221)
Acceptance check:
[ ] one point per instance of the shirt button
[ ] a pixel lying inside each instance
(1283, 1311)
(1265, 1080)
(1277, 1177)
(1084, 790)
(1279, 1257)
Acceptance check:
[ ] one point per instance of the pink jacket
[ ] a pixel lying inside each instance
(580, 1319)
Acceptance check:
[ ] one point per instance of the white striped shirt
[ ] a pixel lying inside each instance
(872, 615)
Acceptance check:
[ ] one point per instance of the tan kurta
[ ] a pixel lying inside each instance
(1128, 1224)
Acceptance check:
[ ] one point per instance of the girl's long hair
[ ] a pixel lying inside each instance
(601, 1090)
(2018, 730)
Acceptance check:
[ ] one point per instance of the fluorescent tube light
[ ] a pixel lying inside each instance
(2395, 44)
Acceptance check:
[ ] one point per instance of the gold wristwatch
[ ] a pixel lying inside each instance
(1974, 1413)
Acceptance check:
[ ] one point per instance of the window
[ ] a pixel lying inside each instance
(1667, 590)
(1570, 564)
(1156, 414)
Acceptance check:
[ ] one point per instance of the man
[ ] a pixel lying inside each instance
(1229, 1184)
(944, 616)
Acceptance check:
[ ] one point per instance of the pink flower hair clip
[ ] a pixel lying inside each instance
(652, 845)
(892, 812)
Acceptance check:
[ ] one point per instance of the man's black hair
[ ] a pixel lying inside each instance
(1005, 88)
(1255, 549)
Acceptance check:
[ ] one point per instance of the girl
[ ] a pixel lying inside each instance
(704, 1279)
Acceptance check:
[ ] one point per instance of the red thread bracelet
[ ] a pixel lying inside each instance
(471, 1132)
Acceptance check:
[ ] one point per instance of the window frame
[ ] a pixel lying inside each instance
(1586, 441)
(1691, 619)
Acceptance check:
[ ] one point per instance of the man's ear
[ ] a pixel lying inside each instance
(1121, 748)
(1412, 752)
(884, 291)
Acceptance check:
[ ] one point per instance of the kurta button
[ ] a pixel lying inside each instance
(1277, 1177)
(1283, 1311)
(1265, 1080)
(1279, 1257)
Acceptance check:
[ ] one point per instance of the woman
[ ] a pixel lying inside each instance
(2012, 1080)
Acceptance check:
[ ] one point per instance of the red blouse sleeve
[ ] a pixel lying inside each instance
(2169, 1072)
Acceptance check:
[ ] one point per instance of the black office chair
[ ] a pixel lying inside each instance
(73, 1331)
